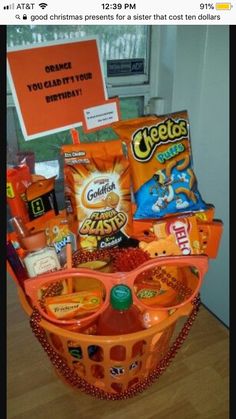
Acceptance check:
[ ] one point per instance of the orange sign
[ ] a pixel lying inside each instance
(53, 84)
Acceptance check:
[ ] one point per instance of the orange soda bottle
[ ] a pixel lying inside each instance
(121, 317)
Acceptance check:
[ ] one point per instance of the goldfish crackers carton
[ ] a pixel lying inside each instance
(97, 194)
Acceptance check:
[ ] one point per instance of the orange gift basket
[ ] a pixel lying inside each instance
(84, 360)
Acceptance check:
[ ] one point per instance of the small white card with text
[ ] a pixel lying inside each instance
(101, 115)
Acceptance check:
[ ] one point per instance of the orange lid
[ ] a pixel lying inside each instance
(35, 241)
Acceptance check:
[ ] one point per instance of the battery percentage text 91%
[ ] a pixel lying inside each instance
(207, 6)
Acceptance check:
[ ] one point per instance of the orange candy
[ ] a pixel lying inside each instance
(152, 317)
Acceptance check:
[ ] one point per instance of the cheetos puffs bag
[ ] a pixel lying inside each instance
(160, 157)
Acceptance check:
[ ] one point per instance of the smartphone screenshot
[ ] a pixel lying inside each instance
(117, 208)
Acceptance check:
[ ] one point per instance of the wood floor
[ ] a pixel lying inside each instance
(196, 385)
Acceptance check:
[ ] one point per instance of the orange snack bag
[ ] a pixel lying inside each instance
(41, 198)
(18, 179)
(97, 194)
(159, 151)
(148, 292)
(73, 305)
(206, 215)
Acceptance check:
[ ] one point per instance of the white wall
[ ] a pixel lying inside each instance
(193, 74)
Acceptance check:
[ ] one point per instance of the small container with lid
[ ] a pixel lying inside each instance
(40, 258)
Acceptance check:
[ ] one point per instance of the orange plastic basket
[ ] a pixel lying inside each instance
(84, 361)
(73, 355)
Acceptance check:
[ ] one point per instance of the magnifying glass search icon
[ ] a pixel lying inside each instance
(17, 16)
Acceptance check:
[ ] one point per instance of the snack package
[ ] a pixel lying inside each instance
(73, 305)
(58, 235)
(148, 291)
(97, 194)
(18, 179)
(210, 236)
(41, 198)
(161, 165)
(180, 233)
(206, 215)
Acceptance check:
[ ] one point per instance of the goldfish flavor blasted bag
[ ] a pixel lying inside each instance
(97, 193)
(160, 157)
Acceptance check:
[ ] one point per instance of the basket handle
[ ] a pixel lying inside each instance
(74, 380)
